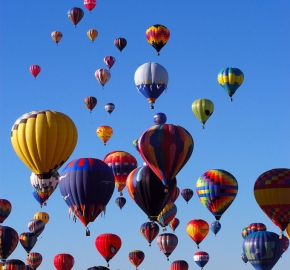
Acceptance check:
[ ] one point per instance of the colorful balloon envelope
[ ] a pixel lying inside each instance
(167, 242)
(5, 209)
(103, 76)
(90, 4)
(104, 133)
(121, 163)
(108, 244)
(215, 227)
(148, 192)
(149, 231)
(44, 140)
(285, 241)
(34, 259)
(202, 109)
(90, 102)
(75, 15)
(244, 232)
(56, 36)
(271, 191)
(157, 35)
(28, 240)
(43, 216)
(38, 198)
(167, 215)
(109, 61)
(201, 258)
(197, 229)
(110, 107)
(244, 258)
(136, 257)
(63, 261)
(230, 79)
(173, 224)
(175, 195)
(120, 202)
(8, 242)
(160, 118)
(35, 70)
(44, 187)
(217, 189)
(179, 265)
(187, 194)
(14, 264)
(256, 227)
(120, 43)
(151, 80)
(87, 185)
(36, 226)
(263, 249)
(135, 144)
(92, 34)
(166, 149)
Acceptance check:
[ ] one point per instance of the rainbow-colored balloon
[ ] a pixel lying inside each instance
(157, 35)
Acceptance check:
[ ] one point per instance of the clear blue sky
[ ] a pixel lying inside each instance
(245, 137)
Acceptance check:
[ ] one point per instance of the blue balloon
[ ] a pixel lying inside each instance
(263, 249)
(215, 227)
(120, 202)
(160, 118)
(38, 198)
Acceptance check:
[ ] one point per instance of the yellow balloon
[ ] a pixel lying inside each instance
(104, 133)
(92, 34)
(56, 36)
(202, 109)
(42, 216)
(44, 140)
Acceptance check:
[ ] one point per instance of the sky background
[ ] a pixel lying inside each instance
(245, 137)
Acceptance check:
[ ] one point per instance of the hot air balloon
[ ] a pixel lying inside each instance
(202, 109)
(92, 34)
(110, 107)
(256, 227)
(120, 43)
(167, 242)
(157, 35)
(14, 264)
(121, 163)
(149, 231)
(175, 195)
(35, 70)
(166, 149)
(244, 232)
(148, 192)
(151, 80)
(217, 189)
(44, 187)
(159, 118)
(215, 227)
(75, 14)
(56, 36)
(271, 191)
(244, 258)
(197, 229)
(179, 265)
(201, 258)
(120, 202)
(90, 102)
(109, 61)
(90, 4)
(38, 198)
(104, 133)
(173, 224)
(135, 144)
(136, 257)
(27, 240)
(87, 185)
(263, 249)
(103, 76)
(8, 242)
(34, 259)
(98, 268)
(36, 226)
(187, 194)
(167, 215)
(108, 244)
(230, 79)
(43, 216)
(285, 241)
(63, 261)
(5, 209)
(44, 140)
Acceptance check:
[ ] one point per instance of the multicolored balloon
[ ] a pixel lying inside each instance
(109, 61)
(167, 215)
(135, 144)
(34, 259)
(110, 107)
(120, 43)
(90, 4)
(256, 227)
(215, 227)
(230, 79)
(63, 261)
(75, 15)
(201, 258)
(5, 209)
(179, 265)
(157, 35)
(90, 102)
(151, 80)
(173, 224)
(8, 242)
(166, 149)
(197, 230)
(244, 232)
(56, 36)
(187, 194)
(271, 191)
(217, 189)
(34, 70)
(149, 231)
(202, 109)
(36, 226)
(120, 202)
(136, 257)
(104, 133)
(92, 34)
(160, 118)
(55, 137)
(14, 264)
(103, 76)
(28, 240)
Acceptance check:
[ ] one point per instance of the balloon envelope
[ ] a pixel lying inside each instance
(179, 265)
(149, 231)
(187, 194)
(63, 261)
(14, 264)
(102, 76)
(28, 240)
(202, 109)
(34, 259)
(201, 258)
(92, 34)
(157, 35)
(104, 133)
(42, 216)
(159, 118)
(110, 107)
(34, 70)
(167, 242)
(8, 241)
(5, 209)
(197, 230)
(75, 14)
(90, 4)
(136, 257)
(56, 36)
(120, 43)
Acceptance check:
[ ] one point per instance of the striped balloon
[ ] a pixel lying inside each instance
(149, 231)
(102, 76)
(167, 242)
(136, 257)
(173, 224)
(179, 265)
(75, 14)
(256, 227)
(5, 209)
(36, 226)
(187, 194)
(14, 264)
(175, 195)
(34, 259)
(167, 215)
(8, 242)
(201, 258)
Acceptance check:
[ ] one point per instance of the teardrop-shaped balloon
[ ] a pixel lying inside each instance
(167, 242)
(56, 36)
(215, 227)
(160, 118)
(34, 70)
(8, 240)
(197, 230)
(102, 76)
(157, 35)
(136, 257)
(120, 43)
(36, 226)
(167, 214)
(27, 240)
(244, 258)
(120, 202)
(174, 223)
(175, 195)
(202, 109)
(92, 34)
(104, 133)
(110, 107)
(75, 15)
(34, 259)
(63, 261)
(187, 194)
(42, 216)
(90, 102)
(201, 258)
(149, 231)
(90, 4)
(109, 61)
(5, 209)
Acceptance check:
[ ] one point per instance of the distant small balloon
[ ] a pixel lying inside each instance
(110, 107)
(109, 61)
(35, 70)
(90, 4)
(56, 36)
(120, 43)
(160, 118)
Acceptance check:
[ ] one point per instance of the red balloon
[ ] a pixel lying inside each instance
(90, 4)
(175, 195)
(179, 265)
(34, 70)
(63, 261)
(108, 244)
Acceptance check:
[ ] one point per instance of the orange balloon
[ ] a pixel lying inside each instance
(197, 229)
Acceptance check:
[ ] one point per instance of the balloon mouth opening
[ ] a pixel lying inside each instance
(44, 175)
